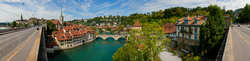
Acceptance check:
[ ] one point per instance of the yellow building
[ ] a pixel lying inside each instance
(187, 31)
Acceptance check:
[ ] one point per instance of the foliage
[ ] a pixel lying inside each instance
(245, 13)
(13, 24)
(150, 40)
(64, 23)
(169, 49)
(97, 33)
(50, 27)
(213, 30)
(100, 29)
(34, 22)
(120, 27)
(175, 53)
(182, 54)
(93, 28)
(196, 58)
(109, 29)
(128, 29)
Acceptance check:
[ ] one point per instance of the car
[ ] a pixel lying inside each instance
(238, 25)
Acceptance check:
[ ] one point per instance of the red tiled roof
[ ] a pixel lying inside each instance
(55, 22)
(137, 24)
(49, 36)
(52, 44)
(191, 20)
(61, 37)
(169, 28)
(68, 36)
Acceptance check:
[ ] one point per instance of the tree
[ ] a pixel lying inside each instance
(64, 23)
(146, 48)
(213, 30)
(93, 28)
(108, 28)
(245, 13)
(120, 27)
(13, 24)
(160, 11)
(97, 33)
(34, 22)
(43, 20)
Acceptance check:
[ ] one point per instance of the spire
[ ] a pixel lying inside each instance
(21, 17)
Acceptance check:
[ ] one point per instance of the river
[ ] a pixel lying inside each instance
(98, 50)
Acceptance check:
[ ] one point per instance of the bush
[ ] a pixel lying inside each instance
(175, 53)
(196, 58)
(169, 49)
(182, 54)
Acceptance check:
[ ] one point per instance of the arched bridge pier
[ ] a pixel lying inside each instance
(116, 37)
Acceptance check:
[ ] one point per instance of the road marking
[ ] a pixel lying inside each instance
(19, 48)
(242, 37)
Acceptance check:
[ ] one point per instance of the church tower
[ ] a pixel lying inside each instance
(61, 18)
(21, 17)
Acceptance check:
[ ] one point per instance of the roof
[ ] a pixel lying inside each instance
(52, 44)
(137, 24)
(49, 36)
(55, 21)
(113, 29)
(68, 36)
(61, 37)
(191, 20)
(169, 28)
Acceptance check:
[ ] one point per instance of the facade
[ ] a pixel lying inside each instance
(187, 31)
(137, 25)
(33, 20)
(72, 36)
(228, 21)
(170, 29)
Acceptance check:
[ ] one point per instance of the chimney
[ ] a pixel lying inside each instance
(198, 15)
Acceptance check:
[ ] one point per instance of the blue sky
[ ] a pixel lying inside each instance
(77, 9)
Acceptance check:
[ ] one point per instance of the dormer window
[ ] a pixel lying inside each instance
(68, 36)
(62, 37)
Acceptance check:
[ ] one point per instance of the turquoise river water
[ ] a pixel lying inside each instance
(98, 50)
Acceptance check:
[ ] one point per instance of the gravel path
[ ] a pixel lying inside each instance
(167, 56)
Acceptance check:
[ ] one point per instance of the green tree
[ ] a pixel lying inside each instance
(42, 20)
(212, 31)
(93, 28)
(146, 48)
(64, 23)
(245, 13)
(120, 27)
(108, 28)
(97, 33)
(13, 24)
(34, 22)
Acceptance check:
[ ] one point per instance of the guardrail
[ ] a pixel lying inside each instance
(42, 55)
(7, 31)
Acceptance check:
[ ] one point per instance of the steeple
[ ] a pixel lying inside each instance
(61, 18)
(21, 17)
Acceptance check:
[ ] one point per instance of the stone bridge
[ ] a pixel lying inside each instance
(116, 37)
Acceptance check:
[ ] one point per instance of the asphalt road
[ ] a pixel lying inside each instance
(241, 43)
(10, 43)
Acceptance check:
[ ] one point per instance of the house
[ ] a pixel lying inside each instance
(137, 25)
(108, 23)
(187, 31)
(228, 21)
(57, 23)
(72, 36)
(170, 30)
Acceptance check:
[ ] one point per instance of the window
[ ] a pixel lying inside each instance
(190, 43)
(62, 44)
(195, 37)
(189, 36)
(195, 29)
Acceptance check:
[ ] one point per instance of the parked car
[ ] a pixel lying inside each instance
(238, 25)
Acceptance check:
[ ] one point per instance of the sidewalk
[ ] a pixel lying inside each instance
(167, 56)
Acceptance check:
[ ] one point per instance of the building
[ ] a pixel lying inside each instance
(137, 25)
(72, 36)
(61, 19)
(188, 31)
(170, 30)
(34, 21)
(228, 21)
(22, 21)
(57, 23)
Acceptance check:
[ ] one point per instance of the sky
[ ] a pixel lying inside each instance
(11, 10)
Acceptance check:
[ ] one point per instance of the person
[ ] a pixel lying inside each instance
(37, 28)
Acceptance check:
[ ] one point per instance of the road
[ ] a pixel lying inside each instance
(241, 43)
(14, 45)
